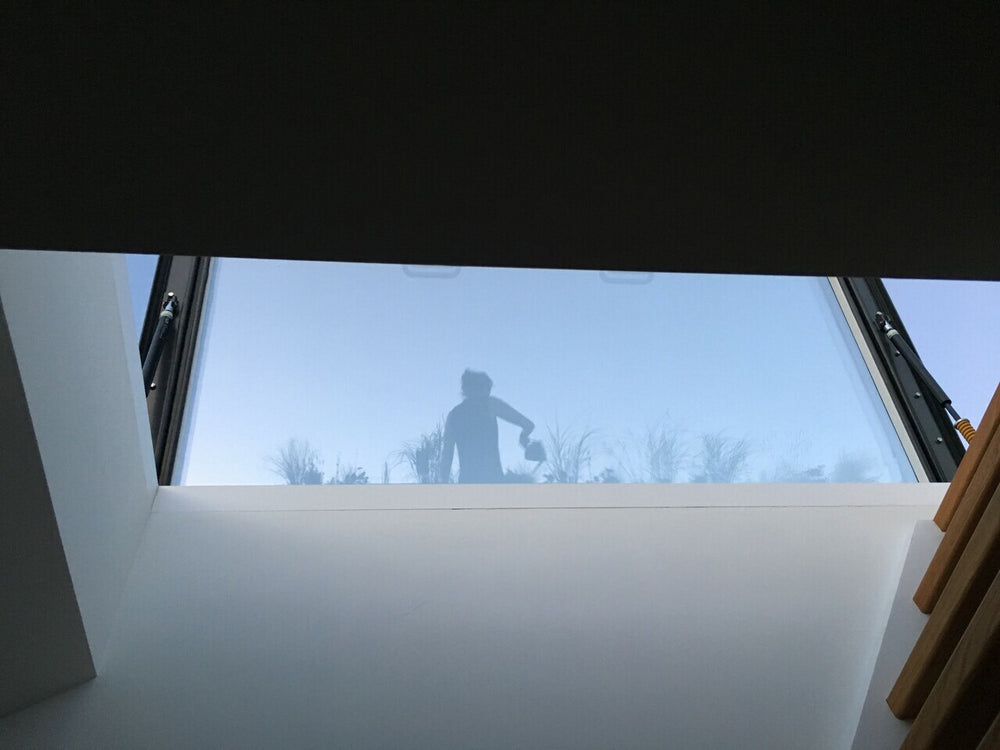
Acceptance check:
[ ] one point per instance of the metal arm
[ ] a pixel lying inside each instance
(962, 425)
(171, 306)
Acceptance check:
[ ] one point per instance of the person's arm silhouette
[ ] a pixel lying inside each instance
(508, 413)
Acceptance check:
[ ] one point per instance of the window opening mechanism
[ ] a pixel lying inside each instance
(170, 308)
(921, 373)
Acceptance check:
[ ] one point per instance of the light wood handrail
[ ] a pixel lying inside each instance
(969, 463)
(965, 699)
(970, 510)
(959, 601)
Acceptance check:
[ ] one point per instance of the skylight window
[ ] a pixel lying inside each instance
(344, 373)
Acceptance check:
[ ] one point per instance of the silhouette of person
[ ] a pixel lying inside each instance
(472, 427)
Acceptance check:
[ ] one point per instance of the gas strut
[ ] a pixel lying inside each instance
(961, 424)
(171, 306)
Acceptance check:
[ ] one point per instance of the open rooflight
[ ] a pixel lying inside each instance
(346, 373)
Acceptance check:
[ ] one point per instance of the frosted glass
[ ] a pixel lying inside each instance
(346, 372)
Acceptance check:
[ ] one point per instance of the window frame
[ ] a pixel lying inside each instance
(926, 422)
(187, 277)
(924, 427)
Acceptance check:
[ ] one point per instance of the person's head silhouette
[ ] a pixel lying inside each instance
(476, 384)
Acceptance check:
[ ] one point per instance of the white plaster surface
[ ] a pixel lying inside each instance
(532, 496)
(79, 363)
(878, 728)
(732, 616)
(562, 627)
(43, 644)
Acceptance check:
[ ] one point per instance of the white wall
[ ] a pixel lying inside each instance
(745, 616)
(73, 337)
(43, 645)
(878, 728)
(492, 626)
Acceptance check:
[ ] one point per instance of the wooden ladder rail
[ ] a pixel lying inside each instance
(980, 489)
(967, 467)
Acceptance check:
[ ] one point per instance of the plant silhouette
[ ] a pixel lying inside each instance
(663, 454)
(608, 476)
(424, 457)
(348, 475)
(854, 467)
(297, 462)
(849, 467)
(569, 455)
(721, 459)
(786, 472)
(520, 474)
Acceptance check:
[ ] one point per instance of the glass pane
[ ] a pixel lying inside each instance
(342, 372)
(954, 325)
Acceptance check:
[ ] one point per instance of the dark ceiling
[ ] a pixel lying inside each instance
(812, 140)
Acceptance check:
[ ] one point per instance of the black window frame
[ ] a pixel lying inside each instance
(186, 277)
(926, 421)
